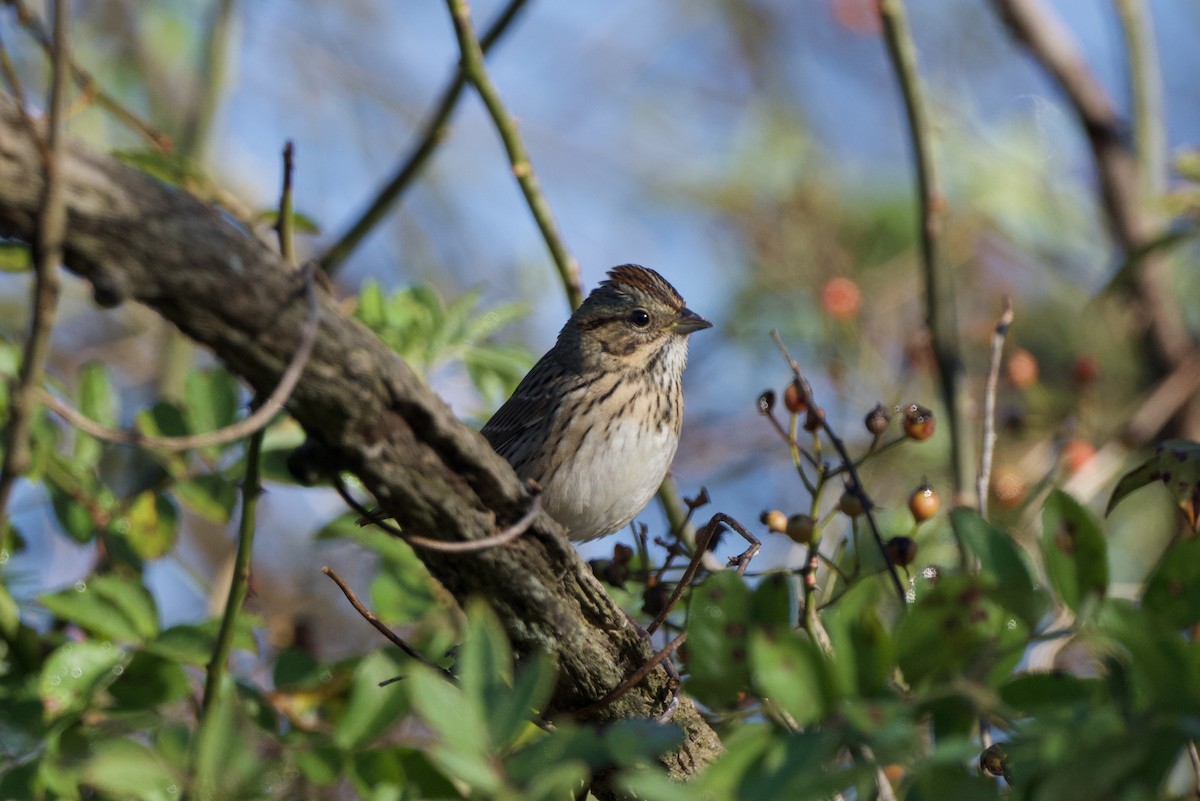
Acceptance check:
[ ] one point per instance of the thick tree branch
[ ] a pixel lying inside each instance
(136, 239)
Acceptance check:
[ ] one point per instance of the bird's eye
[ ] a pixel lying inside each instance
(640, 318)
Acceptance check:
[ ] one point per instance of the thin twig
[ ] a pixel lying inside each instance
(88, 85)
(432, 134)
(239, 430)
(377, 518)
(1146, 89)
(855, 485)
(47, 252)
(940, 313)
(197, 128)
(989, 407)
(638, 676)
(522, 167)
(369, 616)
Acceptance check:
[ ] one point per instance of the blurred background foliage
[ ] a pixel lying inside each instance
(755, 153)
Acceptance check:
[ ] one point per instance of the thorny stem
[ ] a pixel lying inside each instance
(432, 135)
(522, 167)
(47, 253)
(940, 314)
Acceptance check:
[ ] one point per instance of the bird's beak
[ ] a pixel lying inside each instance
(689, 322)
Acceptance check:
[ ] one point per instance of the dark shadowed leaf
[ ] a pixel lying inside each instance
(719, 615)
(1075, 551)
(1176, 465)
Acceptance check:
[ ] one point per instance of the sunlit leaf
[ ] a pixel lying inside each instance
(14, 257)
(109, 606)
(123, 768)
(371, 708)
(152, 525)
(74, 672)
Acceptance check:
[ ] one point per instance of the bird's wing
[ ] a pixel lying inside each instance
(531, 406)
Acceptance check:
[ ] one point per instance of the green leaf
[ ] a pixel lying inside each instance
(212, 496)
(957, 628)
(771, 603)
(302, 223)
(74, 672)
(323, 765)
(170, 168)
(14, 257)
(371, 709)
(74, 518)
(511, 711)
(462, 750)
(98, 402)
(1176, 464)
(10, 614)
(1173, 589)
(1042, 693)
(194, 644)
(122, 768)
(148, 681)
(150, 525)
(109, 606)
(212, 399)
(716, 650)
(1075, 551)
(789, 670)
(485, 661)
(999, 556)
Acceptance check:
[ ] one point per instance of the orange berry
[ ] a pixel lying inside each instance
(795, 398)
(1022, 368)
(918, 422)
(924, 503)
(1076, 453)
(800, 529)
(901, 551)
(1008, 488)
(841, 298)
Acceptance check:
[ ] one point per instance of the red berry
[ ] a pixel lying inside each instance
(1085, 369)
